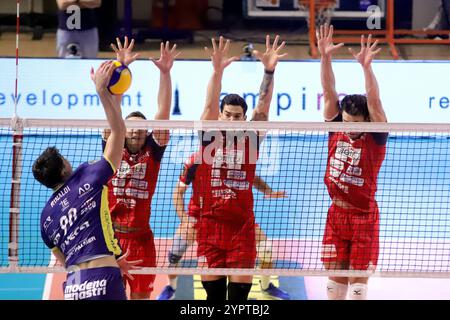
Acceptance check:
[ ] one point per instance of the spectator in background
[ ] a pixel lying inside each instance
(441, 20)
(77, 35)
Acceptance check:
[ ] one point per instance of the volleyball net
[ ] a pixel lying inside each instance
(290, 207)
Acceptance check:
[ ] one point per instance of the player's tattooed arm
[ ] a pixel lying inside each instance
(270, 59)
(260, 116)
(265, 95)
(265, 85)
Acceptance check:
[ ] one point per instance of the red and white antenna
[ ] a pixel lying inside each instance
(17, 127)
(17, 57)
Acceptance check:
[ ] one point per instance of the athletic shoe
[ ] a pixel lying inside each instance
(168, 293)
(275, 293)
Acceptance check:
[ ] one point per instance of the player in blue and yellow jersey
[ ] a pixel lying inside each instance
(76, 222)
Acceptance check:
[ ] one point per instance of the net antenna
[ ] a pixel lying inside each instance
(321, 10)
(17, 128)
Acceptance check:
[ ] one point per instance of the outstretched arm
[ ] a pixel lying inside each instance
(220, 60)
(263, 187)
(269, 59)
(125, 55)
(365, 58)
(164, 65)
(326, 49)
(111, 105)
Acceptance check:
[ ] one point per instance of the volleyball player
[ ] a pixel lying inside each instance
(354, 159)
(75, 222)
(226, 226)
(185, 234)
(132, 188)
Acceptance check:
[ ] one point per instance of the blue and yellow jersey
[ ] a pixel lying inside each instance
(76, 219)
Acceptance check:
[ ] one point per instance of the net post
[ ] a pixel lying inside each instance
(312, 29)
(390, 26)
(17, 125)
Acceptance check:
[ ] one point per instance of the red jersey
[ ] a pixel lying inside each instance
(132, 188)
(226, 175)
(187, 177)
(353, 167)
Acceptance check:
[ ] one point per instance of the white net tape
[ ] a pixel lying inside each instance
(412, 194)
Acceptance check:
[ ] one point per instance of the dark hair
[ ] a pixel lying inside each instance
(234, 100)
(48, 167)
(136, 114)
(355, 105)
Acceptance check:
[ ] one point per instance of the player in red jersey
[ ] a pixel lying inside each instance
(226, 227)
(354, 159)
(185, 234)
(133, 186)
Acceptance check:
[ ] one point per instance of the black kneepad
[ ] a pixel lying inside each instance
(238, 291)
(216, 290)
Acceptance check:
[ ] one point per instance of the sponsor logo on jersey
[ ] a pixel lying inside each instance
(78, 247)
(85, 290)
(47, 223)
(84, 189)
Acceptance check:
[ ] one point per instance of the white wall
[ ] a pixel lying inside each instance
(56, 88)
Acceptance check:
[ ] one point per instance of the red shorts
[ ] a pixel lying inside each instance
(141, 247)
(226, 245)
(351, 237)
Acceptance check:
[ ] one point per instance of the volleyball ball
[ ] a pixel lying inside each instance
(120, 80)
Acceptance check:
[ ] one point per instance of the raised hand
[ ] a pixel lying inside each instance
(325, 41)
(102, 76)
(272, 55)
(125, 265)
(219, 55)
(367, 53)
(168, 56)
(124, 53)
